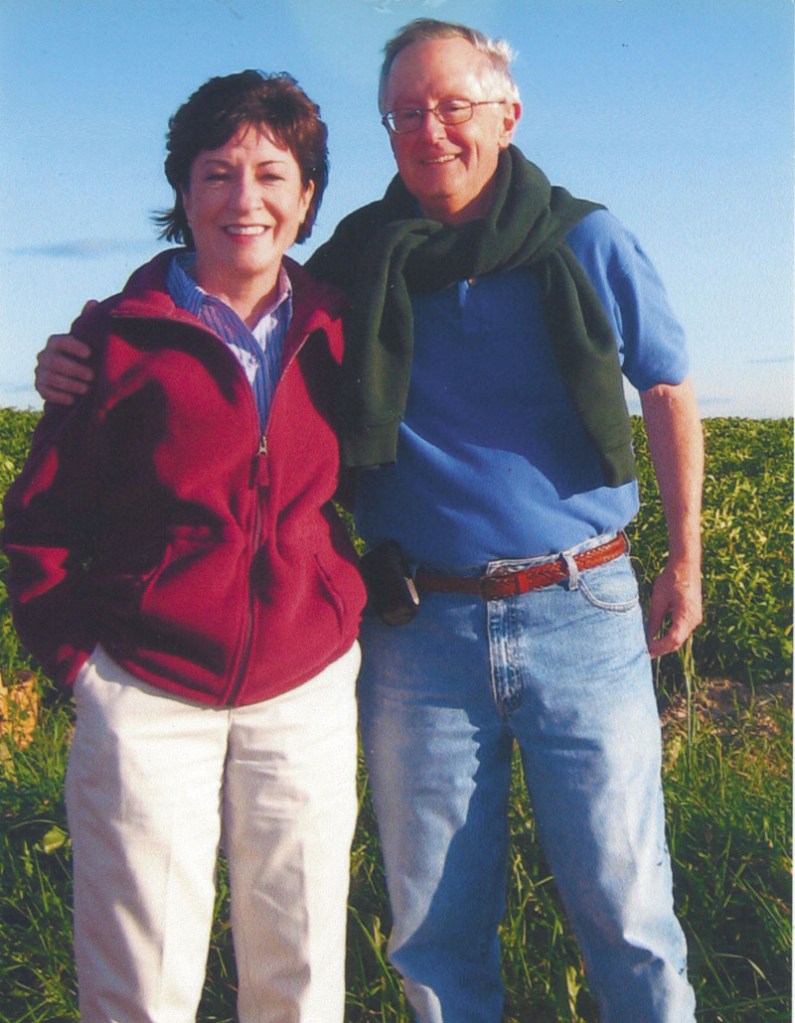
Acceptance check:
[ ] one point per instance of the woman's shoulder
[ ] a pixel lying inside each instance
(308, 290)
(144, 293)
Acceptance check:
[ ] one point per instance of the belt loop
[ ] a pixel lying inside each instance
(574, 572)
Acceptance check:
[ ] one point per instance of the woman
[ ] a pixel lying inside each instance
(175, 557)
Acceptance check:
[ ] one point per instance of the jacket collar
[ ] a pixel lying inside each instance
(146, 295)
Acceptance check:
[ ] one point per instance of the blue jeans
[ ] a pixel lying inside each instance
(564, 672)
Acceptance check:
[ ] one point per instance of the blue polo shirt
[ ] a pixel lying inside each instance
(492, 460)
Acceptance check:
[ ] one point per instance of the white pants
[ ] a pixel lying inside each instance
(154, 784)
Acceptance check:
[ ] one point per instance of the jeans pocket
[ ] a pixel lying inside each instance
(611, 587)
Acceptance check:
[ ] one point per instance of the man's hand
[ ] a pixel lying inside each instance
(61, 372)
(676, 595)
(61, 375)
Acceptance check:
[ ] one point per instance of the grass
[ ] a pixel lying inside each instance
(727, 778)
(728, 795)
(729, 805)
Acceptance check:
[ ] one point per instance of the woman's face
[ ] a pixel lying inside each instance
(244, 204)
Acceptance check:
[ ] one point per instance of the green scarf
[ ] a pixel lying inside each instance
(383, 253)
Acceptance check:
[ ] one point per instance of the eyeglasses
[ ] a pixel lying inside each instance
(449, 111)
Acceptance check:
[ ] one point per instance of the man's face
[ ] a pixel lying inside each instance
(448, 168)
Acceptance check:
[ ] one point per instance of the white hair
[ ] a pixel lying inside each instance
(495, 75)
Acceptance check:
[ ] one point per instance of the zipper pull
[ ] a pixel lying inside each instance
(261, 473)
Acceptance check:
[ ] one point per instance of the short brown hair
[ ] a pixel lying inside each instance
(217, 111)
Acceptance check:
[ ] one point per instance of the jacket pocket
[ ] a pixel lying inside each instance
(331, 591)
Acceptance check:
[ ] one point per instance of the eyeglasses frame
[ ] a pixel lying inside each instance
(385, 120)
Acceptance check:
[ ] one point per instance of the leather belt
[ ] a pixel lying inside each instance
(514, 583)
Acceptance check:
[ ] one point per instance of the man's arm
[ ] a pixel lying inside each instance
(676, 444)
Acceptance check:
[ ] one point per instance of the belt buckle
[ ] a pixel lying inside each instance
(497, 587)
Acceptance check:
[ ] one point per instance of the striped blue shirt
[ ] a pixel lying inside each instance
(259, 351)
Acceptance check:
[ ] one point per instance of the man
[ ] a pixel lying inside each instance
(492, 316)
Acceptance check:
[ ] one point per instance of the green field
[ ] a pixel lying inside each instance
(726, 709)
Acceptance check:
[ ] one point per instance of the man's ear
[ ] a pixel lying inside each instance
(512, 113)
(391, 140)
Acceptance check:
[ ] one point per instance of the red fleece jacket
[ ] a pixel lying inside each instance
(152, 518)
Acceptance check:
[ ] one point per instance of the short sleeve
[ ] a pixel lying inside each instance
(650, 339)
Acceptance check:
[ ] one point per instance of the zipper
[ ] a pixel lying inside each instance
(259, 480)
(260, 473)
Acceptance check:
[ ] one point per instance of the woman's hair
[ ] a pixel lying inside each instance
(218, 110)
(496, 76)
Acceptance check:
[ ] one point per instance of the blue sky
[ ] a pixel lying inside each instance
(677, 114)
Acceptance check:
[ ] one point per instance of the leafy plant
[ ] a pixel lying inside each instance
(747, 534)
(727, 781)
